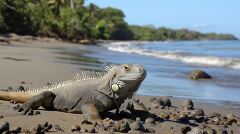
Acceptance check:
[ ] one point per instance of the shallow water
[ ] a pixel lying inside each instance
(169, 63)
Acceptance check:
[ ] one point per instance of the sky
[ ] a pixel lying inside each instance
(220, 16)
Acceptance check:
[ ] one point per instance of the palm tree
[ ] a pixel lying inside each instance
(57, 4)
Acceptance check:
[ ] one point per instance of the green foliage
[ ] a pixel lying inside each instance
(71, 20)
(151, 33)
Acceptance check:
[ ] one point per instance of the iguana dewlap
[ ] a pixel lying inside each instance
(88, 93)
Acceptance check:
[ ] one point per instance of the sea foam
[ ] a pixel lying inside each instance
(128, 47)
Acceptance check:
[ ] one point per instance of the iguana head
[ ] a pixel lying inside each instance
(124, 80)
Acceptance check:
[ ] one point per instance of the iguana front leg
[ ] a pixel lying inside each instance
(44, 99)
(91, 113)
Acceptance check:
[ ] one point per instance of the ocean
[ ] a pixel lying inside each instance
(168, 64)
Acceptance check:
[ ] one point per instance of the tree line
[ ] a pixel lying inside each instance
(73, 20)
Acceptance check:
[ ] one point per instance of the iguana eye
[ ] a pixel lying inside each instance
(126, 68)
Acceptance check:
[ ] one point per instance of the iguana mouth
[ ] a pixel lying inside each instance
(133, 76)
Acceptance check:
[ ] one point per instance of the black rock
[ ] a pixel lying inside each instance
(199, 74)
(188, 104)
(185, 129)
(4, 126)
(167, 102)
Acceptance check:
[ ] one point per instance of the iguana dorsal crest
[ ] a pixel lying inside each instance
(109, 67)
(86, 75)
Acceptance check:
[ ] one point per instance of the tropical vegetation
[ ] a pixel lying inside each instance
(74, 20)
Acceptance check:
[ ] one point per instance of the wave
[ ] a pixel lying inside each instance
(177, 55)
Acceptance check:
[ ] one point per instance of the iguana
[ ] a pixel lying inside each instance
(89, 92)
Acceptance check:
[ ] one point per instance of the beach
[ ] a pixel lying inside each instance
(32, 63)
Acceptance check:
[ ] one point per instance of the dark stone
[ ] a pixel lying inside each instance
(76, 128)
(188, 104)
(185, 129)
(17, 130)
(213, 114)
(23, 82)
(167, 102)
(36, 112)
(58, 128)
(197, 112)
(4, 126)
(199, 74)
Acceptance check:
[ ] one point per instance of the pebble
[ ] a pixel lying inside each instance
(183, 117)
(30, 112)
(137, 126)
(46, 129)
(229, 116)
(222, 131)
(45, 124)
(197, 112)
(174, 117)
(149, 121)
(122, 126)
(216, 120)
(4, 126)
(202, 125)
(150, 130)
(38, 129)
(83, 131)
(188, 104)
(22, 82)
(58, 128)
(211, 131)
(92, 130)
(36, 112)
(16, 130)
(76, 128)
(213, 114)
(230, 121)
(185, 129)
(1, 116)
(167, 102)
(108, 122)
(195, 130)
(138, 119)
(158, 103)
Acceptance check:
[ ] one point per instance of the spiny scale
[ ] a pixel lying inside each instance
(86, 75)
(109, 67)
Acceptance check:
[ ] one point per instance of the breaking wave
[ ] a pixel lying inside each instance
(131, 47)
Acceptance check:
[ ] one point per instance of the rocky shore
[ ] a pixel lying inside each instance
(162, 115)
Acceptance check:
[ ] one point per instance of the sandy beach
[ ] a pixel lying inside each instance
(34, 63)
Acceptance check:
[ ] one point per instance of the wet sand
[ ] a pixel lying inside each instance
(35, 64)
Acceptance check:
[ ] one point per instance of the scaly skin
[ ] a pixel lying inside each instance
(90, 93)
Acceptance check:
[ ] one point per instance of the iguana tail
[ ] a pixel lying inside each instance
(17, 96)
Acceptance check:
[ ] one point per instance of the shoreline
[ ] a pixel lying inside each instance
(22, 57)
(35, 63)
(12, 37)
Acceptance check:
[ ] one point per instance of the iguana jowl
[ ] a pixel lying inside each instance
(89, 93)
